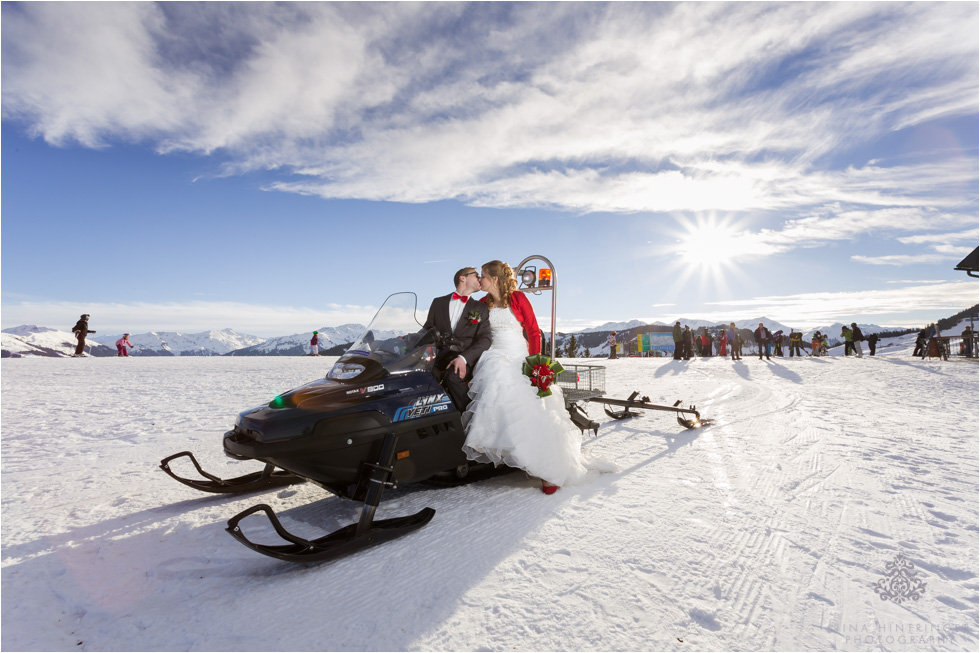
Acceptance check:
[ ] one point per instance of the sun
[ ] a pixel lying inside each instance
(709, 246)
(711, 243)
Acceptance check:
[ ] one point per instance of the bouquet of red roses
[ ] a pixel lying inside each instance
(542, 371)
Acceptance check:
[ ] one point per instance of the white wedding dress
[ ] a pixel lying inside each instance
(508, 423)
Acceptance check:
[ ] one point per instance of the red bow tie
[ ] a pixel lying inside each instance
(462, 298)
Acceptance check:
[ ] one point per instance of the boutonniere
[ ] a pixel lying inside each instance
(474, 317)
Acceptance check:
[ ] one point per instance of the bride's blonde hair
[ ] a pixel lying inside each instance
(506, 282)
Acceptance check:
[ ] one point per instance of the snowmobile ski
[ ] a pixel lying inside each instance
(353, 537)
(341, 542)
(266, 479)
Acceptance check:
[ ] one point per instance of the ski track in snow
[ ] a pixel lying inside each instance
(765, 531)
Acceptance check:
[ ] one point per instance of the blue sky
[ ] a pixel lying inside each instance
(277, 168)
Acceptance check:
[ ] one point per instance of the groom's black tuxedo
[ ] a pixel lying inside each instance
(469, 339)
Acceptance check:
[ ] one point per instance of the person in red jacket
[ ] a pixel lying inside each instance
(506, 421)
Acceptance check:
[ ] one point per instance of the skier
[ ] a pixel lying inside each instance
(846, 334)
(315, 344)
(778, 337)
(81, 330)
(121, 345)
(968, 342)
(612, 345)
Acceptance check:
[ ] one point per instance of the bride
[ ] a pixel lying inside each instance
(507, 423)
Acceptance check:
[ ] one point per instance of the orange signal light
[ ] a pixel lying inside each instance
(544, 277)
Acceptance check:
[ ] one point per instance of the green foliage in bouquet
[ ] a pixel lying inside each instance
(543, 372)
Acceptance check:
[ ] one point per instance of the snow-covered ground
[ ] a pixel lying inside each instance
(767, 530)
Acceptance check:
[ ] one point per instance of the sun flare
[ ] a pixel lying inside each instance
(714, 243)
(709, 246)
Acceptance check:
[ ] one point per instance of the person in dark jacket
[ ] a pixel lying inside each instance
(967, 336)
(465, 323)
(920, 344)
(872, 343)
(795, 340)
(678, 335)
(688, 339)
(856, 338)
(778, 339)
(81, 330)
(733, 341)
(762, 340)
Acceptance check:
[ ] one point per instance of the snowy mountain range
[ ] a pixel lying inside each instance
(32, 340)
(333, 341)
(174, 343)
(614, 326)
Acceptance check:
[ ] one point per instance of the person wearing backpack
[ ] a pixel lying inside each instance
(81, 330)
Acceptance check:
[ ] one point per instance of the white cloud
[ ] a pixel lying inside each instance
(941, 238)
(619, 107)
(901, 259)
(933, 301)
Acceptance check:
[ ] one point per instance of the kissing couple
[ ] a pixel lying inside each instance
(506, 422)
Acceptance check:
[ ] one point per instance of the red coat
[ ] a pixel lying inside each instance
(524, 313)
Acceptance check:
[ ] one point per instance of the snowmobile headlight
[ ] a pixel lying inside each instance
(278, 402)
(344, 371)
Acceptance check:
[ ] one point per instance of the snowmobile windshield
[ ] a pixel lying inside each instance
(394, 342)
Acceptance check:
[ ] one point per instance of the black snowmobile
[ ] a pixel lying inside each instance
(378, 419)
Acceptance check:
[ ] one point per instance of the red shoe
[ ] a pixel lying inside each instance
(548, 488)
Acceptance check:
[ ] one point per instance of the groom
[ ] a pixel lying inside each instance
(466, 322)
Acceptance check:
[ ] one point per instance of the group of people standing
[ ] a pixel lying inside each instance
(853, 338)
(688, 343)
(729, 342)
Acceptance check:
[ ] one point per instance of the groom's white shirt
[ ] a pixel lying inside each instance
(455, 312)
